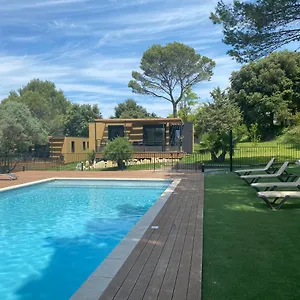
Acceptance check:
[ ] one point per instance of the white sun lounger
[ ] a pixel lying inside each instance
(266, 169)
(10, 176)
(271, 186)
(284, 195)
(281, 174)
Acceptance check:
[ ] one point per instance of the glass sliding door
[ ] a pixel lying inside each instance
(175, 134)
(154, 135)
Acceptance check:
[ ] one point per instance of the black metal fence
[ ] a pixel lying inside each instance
(242, 157)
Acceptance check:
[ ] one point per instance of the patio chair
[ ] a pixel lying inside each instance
(284, 195)
(281, 174)
(271, 186)
(10, 176)
(268, 169)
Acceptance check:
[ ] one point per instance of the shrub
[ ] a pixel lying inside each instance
(291, 136)
(91, 156)
(118, 150)
(253, 133)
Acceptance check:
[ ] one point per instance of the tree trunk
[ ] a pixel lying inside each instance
(174, 110)
(221, 158)
(213, 156)
(121, 164)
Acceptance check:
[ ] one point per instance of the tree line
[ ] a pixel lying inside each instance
(38, 110)
(261, 102)
(264, 94)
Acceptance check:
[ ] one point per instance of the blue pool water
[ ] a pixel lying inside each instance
(54, 235)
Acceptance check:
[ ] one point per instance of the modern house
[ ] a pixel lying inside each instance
(156, 135)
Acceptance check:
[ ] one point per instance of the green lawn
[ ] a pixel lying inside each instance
(250, 154)
(273, 143)
(250, 251)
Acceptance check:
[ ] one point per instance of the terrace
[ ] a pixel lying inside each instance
(245, 252)
(164, 256)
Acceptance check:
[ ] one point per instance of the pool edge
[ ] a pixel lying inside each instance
(98, 281)
(21, 185)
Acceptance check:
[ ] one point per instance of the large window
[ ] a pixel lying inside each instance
(154, 135)
(115, 131)
(175, 134)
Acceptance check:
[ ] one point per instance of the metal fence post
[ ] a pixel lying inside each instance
(154, 162)
(231, 150)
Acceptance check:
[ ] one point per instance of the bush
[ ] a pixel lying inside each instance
(91, 156)
(253, 133)
(291, 136)
(217, 144)
(118, 150)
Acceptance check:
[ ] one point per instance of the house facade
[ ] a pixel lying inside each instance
(146, 135)
(157, 137)
(68, 148)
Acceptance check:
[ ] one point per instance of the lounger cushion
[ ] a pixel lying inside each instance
(261, 176)
(278, 184)
(279, 194)
(268, 166)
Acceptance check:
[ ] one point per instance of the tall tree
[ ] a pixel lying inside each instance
(214, 121)
(19, 130)
(131, 110)
(267, 91)
(169, 71)
(256, 28)
(45, 102)
(77, 119)
(189, 101)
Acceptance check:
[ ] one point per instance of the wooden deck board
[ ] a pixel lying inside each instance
(167, 262)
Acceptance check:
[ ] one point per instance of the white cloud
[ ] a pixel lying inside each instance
(74, 81)
(91, 88)
(90, 47)
(28, 4)
(22, 39)
(99, 79)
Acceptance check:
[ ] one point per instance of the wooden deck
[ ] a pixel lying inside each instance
(167, 262)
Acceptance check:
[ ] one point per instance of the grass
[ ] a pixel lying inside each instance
(273, 143)
(250, 251)
(246, 154)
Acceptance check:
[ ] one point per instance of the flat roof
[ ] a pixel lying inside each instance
(138, 120)
(66, 136)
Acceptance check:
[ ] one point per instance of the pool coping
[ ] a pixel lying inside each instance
(79, 178)
(98, 281)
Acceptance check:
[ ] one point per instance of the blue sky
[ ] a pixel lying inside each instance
(89, 48)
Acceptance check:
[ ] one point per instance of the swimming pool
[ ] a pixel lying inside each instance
(54, 235)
